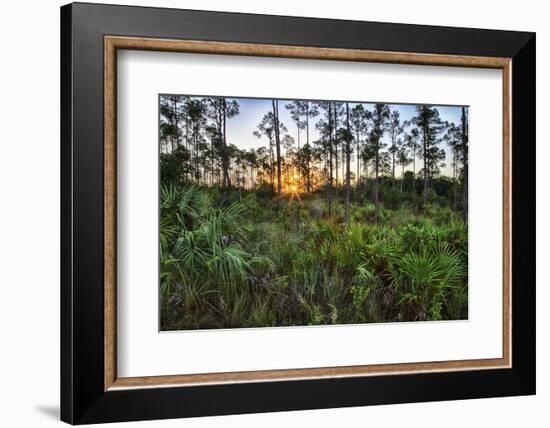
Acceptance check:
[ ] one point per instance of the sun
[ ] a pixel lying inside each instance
(292, 185)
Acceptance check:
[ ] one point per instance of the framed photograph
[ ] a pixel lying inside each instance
(266, 213)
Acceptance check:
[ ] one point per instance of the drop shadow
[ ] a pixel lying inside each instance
(50, 411)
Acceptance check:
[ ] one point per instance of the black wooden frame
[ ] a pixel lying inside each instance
(83, 400)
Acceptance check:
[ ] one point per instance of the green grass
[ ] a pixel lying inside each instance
(244, 260)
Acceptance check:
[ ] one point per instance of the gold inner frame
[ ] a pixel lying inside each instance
(112, 43)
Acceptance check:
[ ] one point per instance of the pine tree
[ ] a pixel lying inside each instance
(379, 119)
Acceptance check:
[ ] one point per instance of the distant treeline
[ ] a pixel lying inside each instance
(195, 149)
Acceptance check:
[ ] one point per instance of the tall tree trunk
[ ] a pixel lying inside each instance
(176, 124)
(358, 160)
(272, 161)
(336, 182)
(343, 162)
(186, 144)
(455, 179)
(348, 172)
(425, 144)
(221, 177)
(376, 171)
(186, 128)
(308, 182)
(330, 162)
(336, 152)
(414, 174)
(376, 166)
(366, 166)
(299, 157)
(465, 160)
(275, 104)
(211, 162)
(194, 154)
(393, 162)
(226, 177)
(402, 177)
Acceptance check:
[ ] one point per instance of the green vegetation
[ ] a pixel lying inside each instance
(357, 221)
(256, 261)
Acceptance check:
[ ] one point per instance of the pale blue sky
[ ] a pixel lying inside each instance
(252, 110)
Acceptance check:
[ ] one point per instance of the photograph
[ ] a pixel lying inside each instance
(262, 211)
(291, 212)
